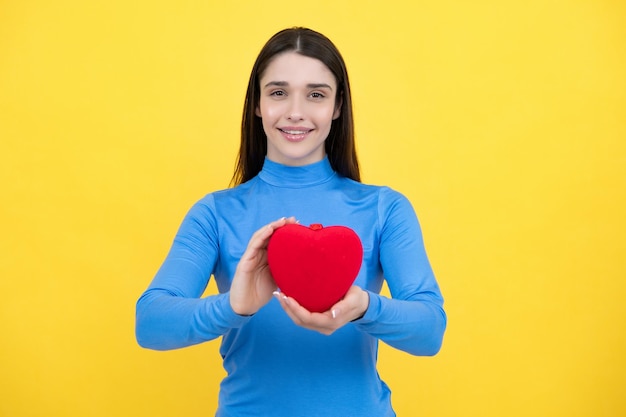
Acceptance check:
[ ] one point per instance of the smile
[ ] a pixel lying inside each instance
(295, 132)
(295, 135)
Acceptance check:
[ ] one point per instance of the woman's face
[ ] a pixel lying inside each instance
(297, 107)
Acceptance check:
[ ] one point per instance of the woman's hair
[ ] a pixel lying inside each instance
(339, 144)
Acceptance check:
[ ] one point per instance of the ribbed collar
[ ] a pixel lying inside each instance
(280, 175)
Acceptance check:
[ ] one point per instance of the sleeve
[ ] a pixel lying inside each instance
(170, 314)
(413, 320)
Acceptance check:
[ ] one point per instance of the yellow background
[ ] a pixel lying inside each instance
(503, 122)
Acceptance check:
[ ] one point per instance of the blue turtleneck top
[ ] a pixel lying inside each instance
(275, 368)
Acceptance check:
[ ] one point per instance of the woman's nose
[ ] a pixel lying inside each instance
(295, 112)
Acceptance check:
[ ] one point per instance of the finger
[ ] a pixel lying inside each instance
(260, 238)
(295, 311)
(303, 317)
(353, 305)
(276, 224)
(282, 221)
(269, 228)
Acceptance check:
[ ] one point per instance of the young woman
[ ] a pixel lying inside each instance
(297, 162)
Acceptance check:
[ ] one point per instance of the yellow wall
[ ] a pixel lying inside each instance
(503, 122)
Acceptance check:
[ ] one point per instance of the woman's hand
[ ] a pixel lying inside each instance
(351, 307)
(253, 284)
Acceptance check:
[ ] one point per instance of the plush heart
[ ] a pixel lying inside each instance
(314, 265)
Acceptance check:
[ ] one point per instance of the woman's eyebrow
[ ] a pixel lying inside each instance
(319, 85)
(276, 84)
(286, 84)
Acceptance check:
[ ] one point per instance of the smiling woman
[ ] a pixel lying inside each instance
(297, 107)
(339, 144)
(297, 159)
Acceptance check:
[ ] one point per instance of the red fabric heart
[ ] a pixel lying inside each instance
(314, 265)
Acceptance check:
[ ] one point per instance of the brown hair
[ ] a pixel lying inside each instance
(339, 144)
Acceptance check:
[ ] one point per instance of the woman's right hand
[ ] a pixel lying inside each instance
(253, 285)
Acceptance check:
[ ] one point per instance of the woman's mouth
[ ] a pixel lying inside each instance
(294, 135)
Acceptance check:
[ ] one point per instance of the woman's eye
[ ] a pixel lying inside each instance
(317, 95)
(277, 93)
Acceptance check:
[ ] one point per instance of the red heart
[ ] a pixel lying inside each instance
(314, 265)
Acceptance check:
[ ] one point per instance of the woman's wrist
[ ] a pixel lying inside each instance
(365, 303)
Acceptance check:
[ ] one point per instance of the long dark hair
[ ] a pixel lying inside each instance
(339, 145)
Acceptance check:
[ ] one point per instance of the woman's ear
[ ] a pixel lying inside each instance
(337, 112)
(257, 111)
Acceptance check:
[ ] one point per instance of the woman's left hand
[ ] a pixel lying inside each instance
(351, 307)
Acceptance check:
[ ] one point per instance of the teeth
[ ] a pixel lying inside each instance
(295, 132)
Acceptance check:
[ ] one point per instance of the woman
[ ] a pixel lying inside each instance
(297, 160)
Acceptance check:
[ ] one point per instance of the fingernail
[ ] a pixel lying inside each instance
(334, 313)
(276, 293)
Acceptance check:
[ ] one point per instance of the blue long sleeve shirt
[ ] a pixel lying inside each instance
(274, 367)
